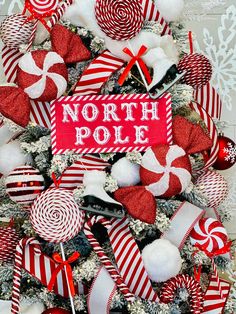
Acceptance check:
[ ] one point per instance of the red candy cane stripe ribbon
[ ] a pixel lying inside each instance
(59, 13)
(213, 304)
(132, 62)
(127, 255)
(104, 259)
(19, 255)
(182, 222)
(212, 132)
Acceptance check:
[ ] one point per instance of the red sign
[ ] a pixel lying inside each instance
(110, 123)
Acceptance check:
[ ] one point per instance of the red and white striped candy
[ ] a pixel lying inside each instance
(198, 70)
(24, 184)
(120, 20)
(9, 239)
(169, 288)
(214, 186)
(15, 31)
(42, 75)
(55, 216)
(209, 232)
(42, 6)
(165, 170)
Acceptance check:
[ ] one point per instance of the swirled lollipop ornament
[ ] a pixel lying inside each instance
(42, 6)
(55, 216)
(119, 19)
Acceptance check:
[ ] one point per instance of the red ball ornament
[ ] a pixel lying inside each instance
(24, 184)
(9, 239)
(226, 157)
(198, 69)
(56, 310)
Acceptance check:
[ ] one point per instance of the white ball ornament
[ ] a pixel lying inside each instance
(171, 9)
(162, 260)
(125, 172)
(11, 157)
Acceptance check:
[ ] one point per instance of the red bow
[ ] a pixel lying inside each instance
(37, 16)
(132, 62)
(57, 258)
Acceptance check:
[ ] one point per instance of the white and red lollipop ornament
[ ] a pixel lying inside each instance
(119, 20)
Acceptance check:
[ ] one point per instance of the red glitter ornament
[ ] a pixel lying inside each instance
(56, 310)
(226, 157)
(198, 69)
(9, 239)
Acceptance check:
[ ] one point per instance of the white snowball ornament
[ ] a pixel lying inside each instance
(11, 157)
(162, 260)
(5, 134)
(171, 9)
(125, 172)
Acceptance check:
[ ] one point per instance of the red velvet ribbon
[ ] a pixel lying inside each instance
(56, 181)
(37, 16)
(64, 264)
(132, 62)
(203, 248)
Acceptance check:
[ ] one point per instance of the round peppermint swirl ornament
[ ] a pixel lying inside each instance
(55, 216)
(119, 19)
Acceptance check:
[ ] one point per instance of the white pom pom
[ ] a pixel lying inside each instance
(125, 172)
(171, 9)
(94, 177)
(11, 157)
(162, 260)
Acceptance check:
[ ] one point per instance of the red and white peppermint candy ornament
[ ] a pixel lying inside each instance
(198, 70)
(42, 6)
(16, 31)
(119, 19)
(42, 75)
(55, 216)
(165, 170)
(9, 239)
(210, 233)
(24, 184)
(214, 186)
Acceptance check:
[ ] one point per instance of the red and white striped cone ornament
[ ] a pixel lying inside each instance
(42, 75)
(210, 233)
(198, 69)
(165, 170)
(120, 20)
(168, 291)
(9, 239)
(24, 184)
(16, 31)
(55, 216)
(214, 186)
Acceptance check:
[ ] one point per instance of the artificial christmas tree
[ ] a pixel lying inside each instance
(125, 171)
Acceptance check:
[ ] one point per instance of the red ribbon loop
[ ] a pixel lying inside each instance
(64, 264)
(132, 62)
(56, 181)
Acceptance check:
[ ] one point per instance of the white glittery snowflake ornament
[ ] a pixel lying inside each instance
(230, 150)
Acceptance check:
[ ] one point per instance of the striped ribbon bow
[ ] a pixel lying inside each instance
(64, 264)
(132, 62)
